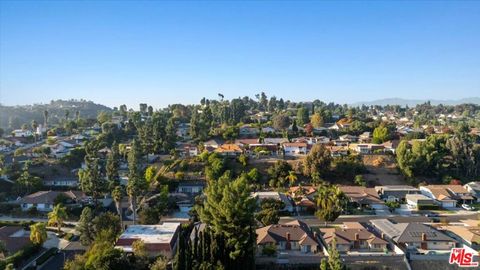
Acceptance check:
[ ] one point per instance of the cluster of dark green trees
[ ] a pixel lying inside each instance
(440, 156)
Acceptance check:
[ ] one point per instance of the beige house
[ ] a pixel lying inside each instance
(295, 236)
(353, 237)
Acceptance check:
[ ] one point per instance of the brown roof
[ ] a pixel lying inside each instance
(298, 230)
(347, 236)
(449, 192)
(14, 238)
(305, 190)
(50, 196)
(361, 195)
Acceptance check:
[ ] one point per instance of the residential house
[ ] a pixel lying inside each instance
(390, 146)
(338, 151)
(474, 189)
(158, 239)
(365, 137)
(212, 144)
(417, 237)
(304, 197)
(262, 195)
(448, 196)
(248, 130)
(395, 192)
(363, 197)
(20, 133)
(14, 238)
(295, 148)
(250, 145)
(367, 148)
(465, 231)
(229, 150)
(61, 181)
(353, 237)
(191, 187)
(294, 235)
(187, 150)
(348, 138)
(183, 130)
(344, 123)
(416, 201)
(45, 200)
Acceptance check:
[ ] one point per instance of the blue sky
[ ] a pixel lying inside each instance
(169, 52)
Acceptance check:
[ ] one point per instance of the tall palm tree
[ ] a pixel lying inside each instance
(38, 233)
(117, 195)
(330, 202)
(291, 177)
(57, 216)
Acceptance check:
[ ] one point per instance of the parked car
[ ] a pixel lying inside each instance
(431, 214)
(468, 207)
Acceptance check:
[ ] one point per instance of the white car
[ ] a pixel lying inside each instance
(467, 207)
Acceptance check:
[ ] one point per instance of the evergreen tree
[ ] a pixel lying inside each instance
(113, 164)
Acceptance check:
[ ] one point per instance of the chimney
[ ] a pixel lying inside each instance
(424, 237)
(383, 236)
(315, 236)
(357, 237)
(288, 246)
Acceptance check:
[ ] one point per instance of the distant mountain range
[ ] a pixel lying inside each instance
(413, 102)
(15, 116)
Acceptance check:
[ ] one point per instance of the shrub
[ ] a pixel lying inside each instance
(428, 207)
(269, 250)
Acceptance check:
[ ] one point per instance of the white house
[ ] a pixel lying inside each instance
(295, 148)
(20, 133)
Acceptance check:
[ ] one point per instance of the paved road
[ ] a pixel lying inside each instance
(57, 261)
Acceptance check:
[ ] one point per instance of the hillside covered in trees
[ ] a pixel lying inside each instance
(13, 117)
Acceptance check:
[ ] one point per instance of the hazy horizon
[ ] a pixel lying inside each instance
(162, 53)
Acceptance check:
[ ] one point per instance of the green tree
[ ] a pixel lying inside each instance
(57, 216)
(317, 120)
(317, 161)
(302, 116)
(269, 211)
(291, 178)
(380, 134)
(91, 180)
(150, 173)
(136, 183)
(334, 259)
(281, 121)
(359, 180)
(243, 159)
(85, 226)
(278, 173)
(113, 164)
(330, 202)
(38, 233)
(228, 208)
(117, 195)
(27, 183)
